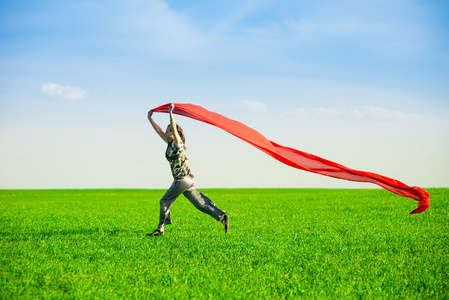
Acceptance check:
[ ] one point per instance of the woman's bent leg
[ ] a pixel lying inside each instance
(177, 188)
(203, 203)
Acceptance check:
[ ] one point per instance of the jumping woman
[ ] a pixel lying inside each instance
(183, 182)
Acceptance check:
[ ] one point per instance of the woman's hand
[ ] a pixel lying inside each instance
(150, 113)
(172, 106)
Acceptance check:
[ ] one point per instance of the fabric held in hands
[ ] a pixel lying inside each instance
(295, 158)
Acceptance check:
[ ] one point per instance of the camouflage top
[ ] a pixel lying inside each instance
(179, 163)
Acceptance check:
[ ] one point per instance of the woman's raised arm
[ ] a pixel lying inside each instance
(156, 127)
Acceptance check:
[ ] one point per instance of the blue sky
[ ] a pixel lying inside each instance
(362, 83)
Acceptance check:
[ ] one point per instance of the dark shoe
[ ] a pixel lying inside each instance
(225, 222)
(157, 232)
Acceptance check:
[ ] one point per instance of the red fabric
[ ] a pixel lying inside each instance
(298, 159)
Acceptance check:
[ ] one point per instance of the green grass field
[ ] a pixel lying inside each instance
(283, 243)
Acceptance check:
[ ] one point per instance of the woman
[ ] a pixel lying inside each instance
(183, 178)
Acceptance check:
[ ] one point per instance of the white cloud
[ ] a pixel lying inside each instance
(68, 92)
(253, 106)
(367, 112)
(381, 113)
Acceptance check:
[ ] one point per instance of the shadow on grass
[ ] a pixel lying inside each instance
(40, 235)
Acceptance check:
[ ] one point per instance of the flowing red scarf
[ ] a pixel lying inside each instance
(298, 159)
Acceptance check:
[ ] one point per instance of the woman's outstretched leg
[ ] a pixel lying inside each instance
(204, 204)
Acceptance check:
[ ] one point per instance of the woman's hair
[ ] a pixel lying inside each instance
(181, 135)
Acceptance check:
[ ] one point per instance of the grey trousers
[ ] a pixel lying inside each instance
(186, 186)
